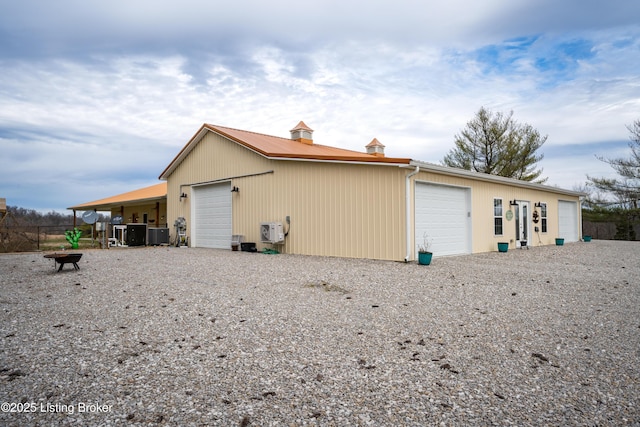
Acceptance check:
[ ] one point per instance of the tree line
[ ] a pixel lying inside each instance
(23, 217)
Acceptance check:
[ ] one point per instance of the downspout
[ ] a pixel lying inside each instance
(581, 230)
(408, 209)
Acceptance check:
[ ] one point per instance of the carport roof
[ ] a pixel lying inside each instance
(279, 148)
(153, 193)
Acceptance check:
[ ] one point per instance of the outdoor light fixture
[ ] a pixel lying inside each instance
(183, 196)
(538, 205)
(235, 189)
(513, 202)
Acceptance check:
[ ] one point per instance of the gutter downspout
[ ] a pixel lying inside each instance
(580, 231)
(408, 209)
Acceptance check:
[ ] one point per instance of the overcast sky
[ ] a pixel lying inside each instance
(96, 98)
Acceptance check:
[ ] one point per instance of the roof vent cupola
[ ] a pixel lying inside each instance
(302, 133)
(376, 148)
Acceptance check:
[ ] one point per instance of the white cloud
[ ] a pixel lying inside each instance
(94, 81)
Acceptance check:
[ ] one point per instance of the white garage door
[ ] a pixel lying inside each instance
(443, 213)
(568, 221)
(212, 216)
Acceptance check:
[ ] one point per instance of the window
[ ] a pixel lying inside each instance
(543, 217)
(497, 217)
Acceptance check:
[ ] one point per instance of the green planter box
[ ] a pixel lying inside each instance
(559, 242)
(587, 238)
(503, 247)
(424, 258)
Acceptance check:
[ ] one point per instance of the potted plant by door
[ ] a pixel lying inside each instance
(503, 246)
(424, 255)
(559, 241)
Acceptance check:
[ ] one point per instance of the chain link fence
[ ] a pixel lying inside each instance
(25, 238)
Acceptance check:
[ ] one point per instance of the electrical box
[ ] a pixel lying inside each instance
(271, 232)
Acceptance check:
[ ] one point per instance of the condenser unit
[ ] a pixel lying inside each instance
(271, 232)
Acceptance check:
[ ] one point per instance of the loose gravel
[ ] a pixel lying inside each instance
(194, 337)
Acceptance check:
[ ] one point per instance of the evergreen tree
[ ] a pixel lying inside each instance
(496, 144)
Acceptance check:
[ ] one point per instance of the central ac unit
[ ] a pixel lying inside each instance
(271, 232)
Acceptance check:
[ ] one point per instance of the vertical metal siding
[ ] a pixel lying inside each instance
(340, 209)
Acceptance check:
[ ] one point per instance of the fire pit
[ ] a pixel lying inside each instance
(63, 259)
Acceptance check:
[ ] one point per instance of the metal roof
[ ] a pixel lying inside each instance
(153, 193)
(275, 147)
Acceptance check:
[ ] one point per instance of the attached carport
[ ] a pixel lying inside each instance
(155, 195)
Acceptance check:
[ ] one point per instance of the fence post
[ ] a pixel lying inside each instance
(38, 231)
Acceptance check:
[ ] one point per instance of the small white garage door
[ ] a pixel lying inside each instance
(443, 213)
(568, 221)
(212, 216)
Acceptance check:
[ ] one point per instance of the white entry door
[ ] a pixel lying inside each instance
(523, 228)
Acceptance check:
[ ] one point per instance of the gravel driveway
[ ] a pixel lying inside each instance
(180, 336)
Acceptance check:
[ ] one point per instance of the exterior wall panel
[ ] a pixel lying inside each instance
(340, 209)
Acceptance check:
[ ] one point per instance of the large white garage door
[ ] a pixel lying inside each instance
(568, 221)
(443, 213)
(212, 216)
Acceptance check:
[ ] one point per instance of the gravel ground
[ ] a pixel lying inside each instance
(179, 336)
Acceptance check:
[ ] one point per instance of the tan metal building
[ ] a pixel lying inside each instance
(335, 202)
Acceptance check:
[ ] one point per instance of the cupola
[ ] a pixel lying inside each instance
(302, 133)
(376, 148)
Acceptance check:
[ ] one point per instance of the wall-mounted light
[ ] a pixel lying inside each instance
(538, 205)
(235, 189)
(513, 202)
(183, 196)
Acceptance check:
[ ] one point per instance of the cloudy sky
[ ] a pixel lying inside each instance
(96, 98)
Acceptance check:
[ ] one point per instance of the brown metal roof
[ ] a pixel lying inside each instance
(157, 192)
(279, 148)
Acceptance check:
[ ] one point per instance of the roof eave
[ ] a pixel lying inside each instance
(110, 205)
(342, 159)
(463, 173)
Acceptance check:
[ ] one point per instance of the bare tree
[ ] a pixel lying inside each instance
(625, 189)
